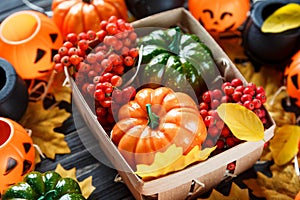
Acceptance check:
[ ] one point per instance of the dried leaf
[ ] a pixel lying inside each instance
(42, 123)
(284, 184)
(60, 92)
(243, 123)
(284, 144)
(236, 193)
(283, 19)
(86, 185)
(172, 160)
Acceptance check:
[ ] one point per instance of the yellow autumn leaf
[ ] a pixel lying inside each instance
(42, 123)
(172, 160)
(284, 144)
(236, 193)
(284, 183)
(243, 123)
(86, 185)
(285, 18)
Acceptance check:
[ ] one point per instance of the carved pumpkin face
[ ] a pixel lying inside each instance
(220, 15)
(17, 153)
(29, 40)
(292, 78)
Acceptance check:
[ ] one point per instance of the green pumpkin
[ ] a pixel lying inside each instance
(176, 60)
(44, 186)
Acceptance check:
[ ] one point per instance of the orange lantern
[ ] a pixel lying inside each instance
(17, 153)
(292, 78)
(220, 15)
(29, 40)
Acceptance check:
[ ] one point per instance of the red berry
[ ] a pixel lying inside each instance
(83, 44)
(225, 132)
(68, 44)
(103, 24)
(116, 80)
(239, 88)
(99, 95)
(72, 51)
(215, 103)
(220, 144)
(112, 19)
(249, 105)
(246, 97)
(128, 93)
(56, 58)
(236, 96)
(257, 103)
(262, 97)
(206, 97)
(128, 61)
(220, 124)
(91, 35)
(226, 84)
(82, 36)
(203, 113)
(72, 37)
(230, 141)
(63, 51)
(252, 86)
(65, 60)
(133, 52)
(225, 99)
(231, 166)
(203, 105)
(216, 94)
(213, 131)
(236, 82)
(259, 90)
(111, 28)
(75, 60)
(228, 90)
(249, 90)
(209, 120)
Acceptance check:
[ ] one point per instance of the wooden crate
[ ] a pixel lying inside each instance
(199, 177)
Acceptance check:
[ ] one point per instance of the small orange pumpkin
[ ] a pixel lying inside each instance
(220, 15)
(75, 16)
(17, 153)
(292, 78)
(154, 120)
(29, 40)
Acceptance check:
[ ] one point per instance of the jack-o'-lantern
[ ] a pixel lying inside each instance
(292, 78)
(17, 153)
(29, 40)
(220, 15)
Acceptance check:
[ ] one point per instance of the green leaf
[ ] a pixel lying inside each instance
(285, 18)
(284, 144)
(243, 123)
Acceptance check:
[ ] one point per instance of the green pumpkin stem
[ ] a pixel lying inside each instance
(174, 45)
(153, 119)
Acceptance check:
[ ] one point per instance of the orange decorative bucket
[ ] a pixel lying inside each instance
(17, 153)
(29, 40)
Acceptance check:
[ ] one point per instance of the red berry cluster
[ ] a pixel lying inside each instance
(98, 60)
(250, 96)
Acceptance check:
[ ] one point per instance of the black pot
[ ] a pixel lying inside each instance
(144, 8)
(13, 92)
(269, 49)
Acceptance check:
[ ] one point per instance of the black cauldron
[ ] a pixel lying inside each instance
(144, 8)
(269, 49)
(13, 92)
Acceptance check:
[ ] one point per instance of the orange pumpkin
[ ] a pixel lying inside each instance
(154, 120)
(220, 15)
(292, 78)
(75, 16)
(17, 153)
(29, 40)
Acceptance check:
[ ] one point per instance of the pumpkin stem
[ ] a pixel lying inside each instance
(153, 119)
(174, 45)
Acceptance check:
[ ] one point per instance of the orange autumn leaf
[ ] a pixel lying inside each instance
(42, 122)
(284, 183)
(86, 185)
(236, 193)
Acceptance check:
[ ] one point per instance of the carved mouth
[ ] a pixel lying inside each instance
(43, 71)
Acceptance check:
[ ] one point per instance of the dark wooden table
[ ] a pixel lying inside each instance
(81, 157)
